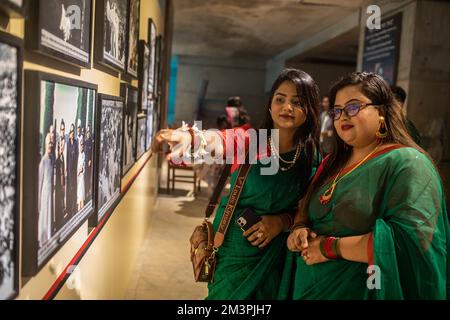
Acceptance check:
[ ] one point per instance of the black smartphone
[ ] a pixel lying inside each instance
(247, 219)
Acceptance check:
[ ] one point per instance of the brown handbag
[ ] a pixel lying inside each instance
(204, 243)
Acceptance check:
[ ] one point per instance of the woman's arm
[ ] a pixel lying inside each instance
(300, 232)
(354, 248)
(179, 141)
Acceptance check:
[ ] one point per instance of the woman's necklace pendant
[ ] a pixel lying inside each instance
(327, 195)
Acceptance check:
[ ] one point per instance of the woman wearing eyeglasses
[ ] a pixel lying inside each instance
(373, 224)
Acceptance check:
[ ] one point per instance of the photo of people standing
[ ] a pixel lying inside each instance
(114, 28)
(110, 153)
(65, 168)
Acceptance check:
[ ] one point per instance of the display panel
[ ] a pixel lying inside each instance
(109, 155)
(152, 59)
(60, 130)
(144, 60)
(61, 29)
(110, 35)
(130, 94)
(133, 38)
(141, 135)
(10, 102)
(14, 8)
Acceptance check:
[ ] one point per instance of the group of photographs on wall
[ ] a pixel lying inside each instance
(76, 154)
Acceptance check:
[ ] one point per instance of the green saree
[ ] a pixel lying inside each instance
(398, 196)
(244, 271)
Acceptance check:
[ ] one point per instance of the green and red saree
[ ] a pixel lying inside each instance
(244, 271)
(397, 195)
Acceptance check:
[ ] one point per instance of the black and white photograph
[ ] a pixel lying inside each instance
(152, 59)
(14, 8)
(141, 135)
(61, 29)
(133, 38)
(10, 79)
(61, 176)
(130, 94)
(150, 124)
(111, 33)
(157, 76)
(110, 152)
(144, 61)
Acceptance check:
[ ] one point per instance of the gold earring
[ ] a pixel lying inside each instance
(382, 132)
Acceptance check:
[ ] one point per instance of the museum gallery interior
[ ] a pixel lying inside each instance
(87, 211)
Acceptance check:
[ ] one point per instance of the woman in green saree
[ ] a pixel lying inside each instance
(373, 224)
(249, 264)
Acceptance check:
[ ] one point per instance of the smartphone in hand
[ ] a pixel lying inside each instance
(247, 219)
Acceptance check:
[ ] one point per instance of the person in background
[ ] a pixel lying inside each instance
(237, 115)
(400, 96)
(326, 127)
(222, 123)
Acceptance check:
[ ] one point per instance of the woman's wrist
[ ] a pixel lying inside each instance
(287, 221)
(329, 247)
(298, 225)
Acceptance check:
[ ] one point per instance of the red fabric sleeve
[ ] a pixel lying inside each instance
(235, 141)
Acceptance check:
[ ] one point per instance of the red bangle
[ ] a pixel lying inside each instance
(329, 248)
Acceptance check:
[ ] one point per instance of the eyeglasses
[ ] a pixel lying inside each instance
(351, 109)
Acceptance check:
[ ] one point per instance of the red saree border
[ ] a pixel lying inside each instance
(379, 153)
(370, 250)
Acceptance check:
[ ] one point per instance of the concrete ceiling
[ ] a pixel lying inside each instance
(342, 49)
(251, 28)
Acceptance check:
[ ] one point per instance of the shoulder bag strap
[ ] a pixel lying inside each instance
(231, 205)
(218, 191)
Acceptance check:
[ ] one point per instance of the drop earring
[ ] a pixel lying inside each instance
(382, 132)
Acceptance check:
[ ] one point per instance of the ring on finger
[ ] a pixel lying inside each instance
(259, 235)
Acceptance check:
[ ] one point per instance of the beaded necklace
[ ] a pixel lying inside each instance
(277, 155)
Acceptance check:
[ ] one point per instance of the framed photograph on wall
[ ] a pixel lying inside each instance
(111, 18)
(141, 135)
(14, 8)
(152, 62)
(144, 60)
(59, 136)
(150, 124)
(133, 38)
(109, 155)
(11, 55)
(130, 95)
(157, 67)
(61, 29)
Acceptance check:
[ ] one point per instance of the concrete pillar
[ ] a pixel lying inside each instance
(424, 71)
